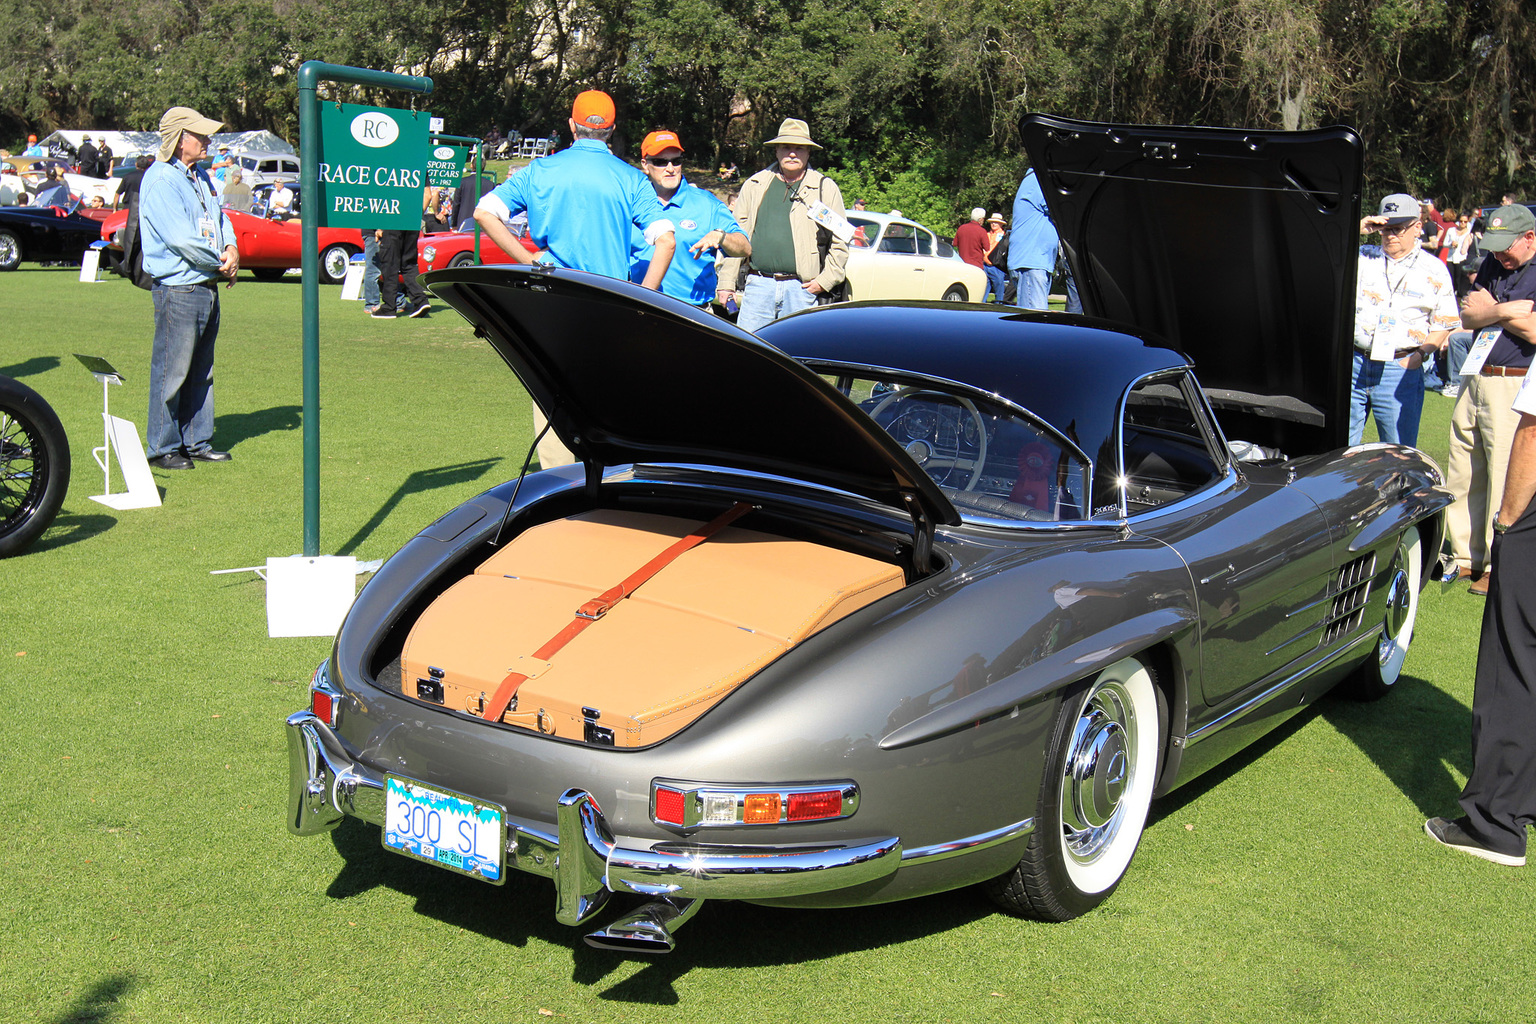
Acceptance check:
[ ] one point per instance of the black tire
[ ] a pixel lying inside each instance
(10, 250)
(268, 273)
(34, 466)
(1375, 677)
(333, 263)
(1094, 800)
(463, 259)
(957, 293)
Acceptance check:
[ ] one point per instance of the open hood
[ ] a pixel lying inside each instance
(626, 375)
(1237, 246)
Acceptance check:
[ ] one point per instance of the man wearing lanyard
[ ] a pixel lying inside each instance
(1405, 308)
(704, 225)
(1499, 800)
(189, 244)
(1483, 423)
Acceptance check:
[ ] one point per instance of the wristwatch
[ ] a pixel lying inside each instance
(1499, 527)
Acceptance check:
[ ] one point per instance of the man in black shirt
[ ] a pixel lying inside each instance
(1499, 309)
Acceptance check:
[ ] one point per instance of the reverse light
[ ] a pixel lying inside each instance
(696, 805)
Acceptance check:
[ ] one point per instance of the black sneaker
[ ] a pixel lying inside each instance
(1450, 833)
(380, 313)
(420, 309)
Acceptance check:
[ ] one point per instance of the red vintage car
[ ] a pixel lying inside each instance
(457, 249)
(268, 248)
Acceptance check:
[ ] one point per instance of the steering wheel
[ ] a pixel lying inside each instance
(933, 462)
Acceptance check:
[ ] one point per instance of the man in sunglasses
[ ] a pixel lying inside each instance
(1405, 310)
(704, 225)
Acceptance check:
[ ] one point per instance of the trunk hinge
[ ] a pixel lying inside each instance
(922, 536)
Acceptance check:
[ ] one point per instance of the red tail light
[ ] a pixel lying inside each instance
(669, 806)
(810, 806)
(323, 705)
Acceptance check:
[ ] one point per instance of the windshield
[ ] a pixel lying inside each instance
(993, 461)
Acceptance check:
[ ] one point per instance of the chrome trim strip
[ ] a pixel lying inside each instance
(1216, 725)
(970, 844)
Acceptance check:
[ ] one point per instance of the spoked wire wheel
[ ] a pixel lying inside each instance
(34, 466)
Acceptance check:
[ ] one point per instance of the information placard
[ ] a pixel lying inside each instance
(445, 165)
(373, 167)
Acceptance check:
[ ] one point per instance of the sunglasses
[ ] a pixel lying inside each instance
(665, 161)
(1399, 229)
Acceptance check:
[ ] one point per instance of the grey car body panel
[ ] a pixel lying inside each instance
(939, 701)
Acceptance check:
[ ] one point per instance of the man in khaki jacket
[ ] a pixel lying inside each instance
(794, 216)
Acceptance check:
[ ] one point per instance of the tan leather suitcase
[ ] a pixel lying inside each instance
(657, 659)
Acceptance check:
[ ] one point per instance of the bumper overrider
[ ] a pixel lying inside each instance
(326, 783)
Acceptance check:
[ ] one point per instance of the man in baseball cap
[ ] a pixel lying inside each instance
(582, 204)
(705, 225)
(1483, 424)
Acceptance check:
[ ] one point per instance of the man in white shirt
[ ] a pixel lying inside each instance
(1405, 310)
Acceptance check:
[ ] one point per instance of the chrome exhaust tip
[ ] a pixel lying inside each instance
(649, 929)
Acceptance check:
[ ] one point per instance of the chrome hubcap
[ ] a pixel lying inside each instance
(1099, 771)
(1399, 603)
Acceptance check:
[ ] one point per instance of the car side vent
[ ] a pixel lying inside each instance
(1350, 592)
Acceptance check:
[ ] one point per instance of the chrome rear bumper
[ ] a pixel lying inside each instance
(582, 857)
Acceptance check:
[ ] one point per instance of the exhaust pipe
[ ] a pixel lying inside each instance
(649, 929)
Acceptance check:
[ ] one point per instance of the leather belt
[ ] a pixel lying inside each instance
(776, 277)
(1502, 371)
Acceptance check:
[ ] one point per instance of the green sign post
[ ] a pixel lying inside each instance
(311, 74)
(373, 167)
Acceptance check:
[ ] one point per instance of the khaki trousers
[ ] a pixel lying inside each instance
(1482, 427)
(552, 453)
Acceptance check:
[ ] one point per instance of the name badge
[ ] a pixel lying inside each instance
(1391, 334)
(1477, 355)
(205, 228)
(833, 221)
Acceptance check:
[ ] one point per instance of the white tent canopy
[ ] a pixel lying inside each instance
(133, 143)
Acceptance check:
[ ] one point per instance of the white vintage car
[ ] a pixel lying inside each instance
(892, 257)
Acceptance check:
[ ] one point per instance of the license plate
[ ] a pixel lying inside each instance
(448, 829)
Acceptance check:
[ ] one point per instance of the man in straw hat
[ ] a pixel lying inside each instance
(581, 205)
(795, 219)
(189, 245)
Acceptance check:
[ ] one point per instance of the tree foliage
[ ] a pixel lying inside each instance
(916, 101)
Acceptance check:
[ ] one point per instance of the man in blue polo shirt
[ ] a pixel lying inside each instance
(581, 205)
(704, 225)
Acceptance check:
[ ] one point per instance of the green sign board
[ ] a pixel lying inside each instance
(445, 165)
(373, 167)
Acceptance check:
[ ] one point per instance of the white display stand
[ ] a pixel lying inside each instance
(352, 286)
(123, 437)
(309, 596)
(90, 264)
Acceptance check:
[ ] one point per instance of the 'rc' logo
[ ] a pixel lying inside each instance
(375, 129)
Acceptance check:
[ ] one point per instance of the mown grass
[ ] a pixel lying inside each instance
(147, 875)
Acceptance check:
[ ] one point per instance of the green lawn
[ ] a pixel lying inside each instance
(148, 875)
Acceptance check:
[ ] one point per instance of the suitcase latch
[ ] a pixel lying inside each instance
(430, 689)
(591, 731)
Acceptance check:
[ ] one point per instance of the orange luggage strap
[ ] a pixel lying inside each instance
(602, 603)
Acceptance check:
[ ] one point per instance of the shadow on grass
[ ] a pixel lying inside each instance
(1440, 728)
(421, 480)
(70, 528)
(37, 364)
(101, 1003)
(242, 426)
(723, 934)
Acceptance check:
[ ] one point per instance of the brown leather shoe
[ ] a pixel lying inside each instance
(1464, 574)
(1479, 587)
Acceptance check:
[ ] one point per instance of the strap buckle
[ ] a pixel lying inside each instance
(594, 609)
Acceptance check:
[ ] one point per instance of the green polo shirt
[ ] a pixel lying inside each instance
(773, 247)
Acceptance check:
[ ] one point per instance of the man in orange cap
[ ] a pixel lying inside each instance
(582, 203)
(704, 225)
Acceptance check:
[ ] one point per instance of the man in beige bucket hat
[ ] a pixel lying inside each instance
(799, 234)
(189, 245)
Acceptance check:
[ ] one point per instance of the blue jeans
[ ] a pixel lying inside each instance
(1393, 394)
(1456, 350)
(370, 270)
(764, 300)
(1074, 304)
(996, 283)
(1032, 288)
(181, 369)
